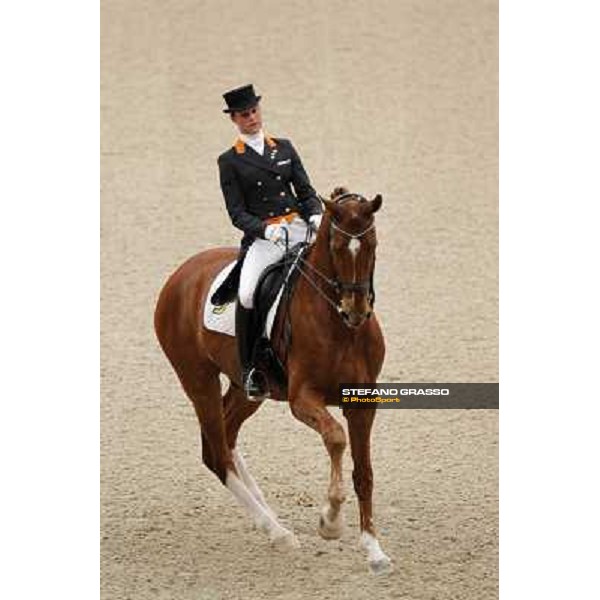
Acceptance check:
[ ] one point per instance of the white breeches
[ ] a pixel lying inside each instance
(263, 253)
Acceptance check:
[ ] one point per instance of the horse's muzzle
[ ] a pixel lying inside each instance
(354, 318)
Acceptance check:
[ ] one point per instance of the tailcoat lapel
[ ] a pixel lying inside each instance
(268, 160)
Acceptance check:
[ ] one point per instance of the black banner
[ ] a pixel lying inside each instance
(419, 395)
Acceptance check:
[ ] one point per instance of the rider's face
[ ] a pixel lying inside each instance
(248, 121)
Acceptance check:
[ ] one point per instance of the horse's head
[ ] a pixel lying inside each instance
(351, 228)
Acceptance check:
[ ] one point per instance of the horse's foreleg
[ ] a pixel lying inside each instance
(310, 409)
(360, 422)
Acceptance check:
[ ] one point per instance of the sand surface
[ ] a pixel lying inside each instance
(391, 97)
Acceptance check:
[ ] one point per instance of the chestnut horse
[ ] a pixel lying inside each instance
(335, 338)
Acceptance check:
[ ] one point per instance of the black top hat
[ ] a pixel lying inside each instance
(240, 99)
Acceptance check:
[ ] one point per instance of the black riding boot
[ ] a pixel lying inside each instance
(253, 381)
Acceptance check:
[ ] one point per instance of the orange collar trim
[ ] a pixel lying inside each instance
(240, 147)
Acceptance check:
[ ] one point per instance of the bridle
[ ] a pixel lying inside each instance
(350, 286)
(335, 283)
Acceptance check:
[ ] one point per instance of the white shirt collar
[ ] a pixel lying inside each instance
(256, 141)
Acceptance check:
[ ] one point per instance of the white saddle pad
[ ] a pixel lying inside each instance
(222, 318)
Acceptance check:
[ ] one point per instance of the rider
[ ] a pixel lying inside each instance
(257, 175)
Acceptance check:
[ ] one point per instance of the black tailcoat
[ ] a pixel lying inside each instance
(257, 188)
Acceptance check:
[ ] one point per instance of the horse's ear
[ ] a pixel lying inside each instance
(330, 206)
(338, 191)
(375, 204)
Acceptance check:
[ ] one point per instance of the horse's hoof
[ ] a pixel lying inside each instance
(381, 566)
(285, 541)
(330, 530)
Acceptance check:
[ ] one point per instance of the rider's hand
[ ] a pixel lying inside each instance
(274, 233)
(315, 221)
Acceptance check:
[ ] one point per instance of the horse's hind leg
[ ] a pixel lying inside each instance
(237, 410)
(310, 409)
(204, 390)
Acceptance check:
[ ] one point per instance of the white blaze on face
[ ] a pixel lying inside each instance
(354, 246)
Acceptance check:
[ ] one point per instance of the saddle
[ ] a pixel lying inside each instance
(227, 291)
